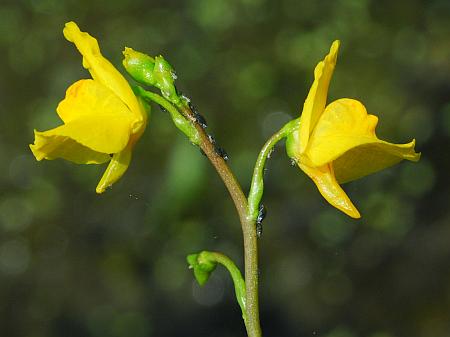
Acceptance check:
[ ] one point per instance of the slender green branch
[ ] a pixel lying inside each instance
(180, 122)
(205, 262)
(257, 185)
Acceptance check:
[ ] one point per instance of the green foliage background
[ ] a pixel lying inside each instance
(73, 263)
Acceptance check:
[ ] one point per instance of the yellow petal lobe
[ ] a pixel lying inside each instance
(88, 97)
(317, 97)
(370, 158)
(105, 133)
(325, 181)
(100, 68)
(345, 134)
(117, 167)
(53, 146)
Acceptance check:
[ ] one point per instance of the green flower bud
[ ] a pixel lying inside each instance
(165, 77)
(150, 71)
(203, 267)
(140, 66)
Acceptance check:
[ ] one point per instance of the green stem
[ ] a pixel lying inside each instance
(239, 283)
(248, 226)
(200, 137)
(180, 122)
(205, 261)
(257, 185)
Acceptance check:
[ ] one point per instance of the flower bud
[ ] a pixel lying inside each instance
(150, 71)
(140, 66)
(202, 266)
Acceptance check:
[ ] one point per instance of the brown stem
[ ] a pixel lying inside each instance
(248, 225)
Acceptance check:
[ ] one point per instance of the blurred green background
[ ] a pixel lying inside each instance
(73, 263)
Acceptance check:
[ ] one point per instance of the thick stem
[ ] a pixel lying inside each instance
(247, 224)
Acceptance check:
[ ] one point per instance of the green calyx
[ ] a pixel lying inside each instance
(292, 143)
(202, 266)
(151, 71)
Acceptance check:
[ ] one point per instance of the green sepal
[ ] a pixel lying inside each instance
(202, 267)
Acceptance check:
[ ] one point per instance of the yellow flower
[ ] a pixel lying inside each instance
(102, 117)
(336, 143)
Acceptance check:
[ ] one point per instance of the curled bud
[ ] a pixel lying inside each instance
(202, 265)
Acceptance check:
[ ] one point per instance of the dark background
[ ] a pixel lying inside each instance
(73, 263)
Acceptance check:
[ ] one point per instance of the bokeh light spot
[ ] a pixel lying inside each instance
(14, 257)
(416, 121)
(418, 178)
(15, 213)
(330, 228)
(209, 294)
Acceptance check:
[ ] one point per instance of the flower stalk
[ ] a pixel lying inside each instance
(204, 264)
(257, 184)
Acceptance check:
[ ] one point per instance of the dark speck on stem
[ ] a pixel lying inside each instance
(261, 215)
(221, 152)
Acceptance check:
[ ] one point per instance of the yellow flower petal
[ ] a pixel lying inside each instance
(345, 133)
(317, 96)
(325, 181)
(116, 168)
(86, 97)
(105, 132)
(52, 147)
(343, 125)
(370, 158)
(100, 68)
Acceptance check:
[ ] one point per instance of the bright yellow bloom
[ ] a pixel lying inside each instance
(336, 143)
(102, 117)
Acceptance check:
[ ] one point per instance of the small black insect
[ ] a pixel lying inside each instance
(261, 215)
(163, 109)
(211, 139)
(293, 162)
(259, 230)
(199, 119)
(222, 153)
